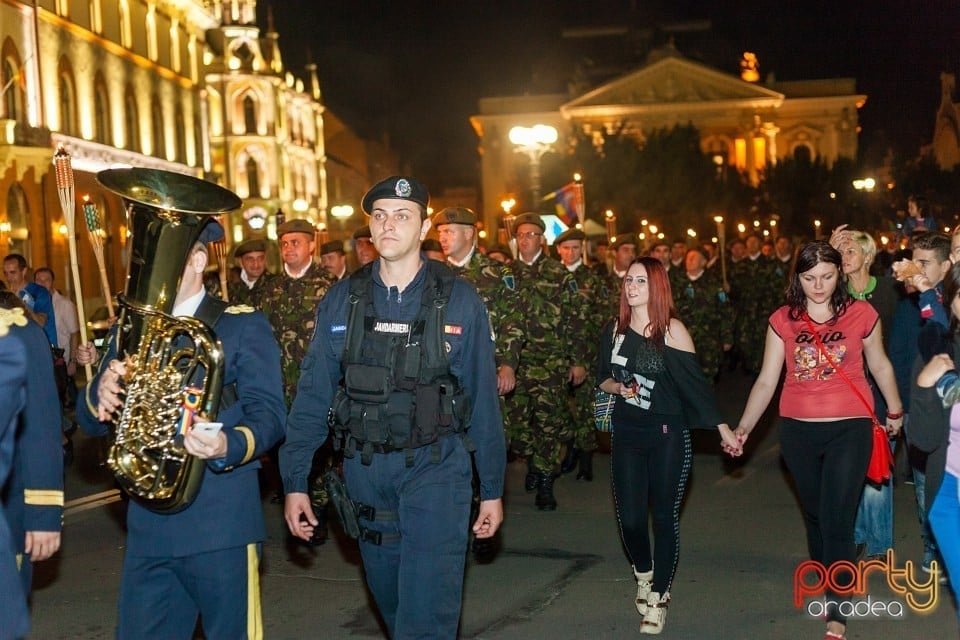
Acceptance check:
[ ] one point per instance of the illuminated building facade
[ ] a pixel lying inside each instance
(743, 124)
(189, 86)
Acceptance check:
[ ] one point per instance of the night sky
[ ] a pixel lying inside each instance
(416, 69)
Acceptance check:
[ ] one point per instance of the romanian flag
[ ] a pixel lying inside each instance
(569, 203)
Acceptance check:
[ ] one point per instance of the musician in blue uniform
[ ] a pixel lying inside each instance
(14, 361)
(415, 484)
(203, 560)
(33, 496)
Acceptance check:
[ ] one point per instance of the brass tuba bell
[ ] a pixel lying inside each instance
(174, 365)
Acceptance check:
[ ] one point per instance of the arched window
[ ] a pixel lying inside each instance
(156, 127)
(802, 153)
(13, 97)
(68, 102)
(250, 114)
(101, 112)
(126, 30)
(15, 226)
(253, 177)
(131, 121)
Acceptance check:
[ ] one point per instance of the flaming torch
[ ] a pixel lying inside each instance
(95, 229)
(64, 173)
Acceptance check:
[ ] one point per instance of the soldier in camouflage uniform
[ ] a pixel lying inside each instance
(290, 305)
(702, 304)
(595, 297)
(552, 357)
(456, 227)
(676, 269)
(334, 260)
(254, 277)
(756, 290)
(624, 250)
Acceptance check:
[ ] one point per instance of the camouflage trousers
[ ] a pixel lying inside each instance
(324, 459)
(538, 416)
(582, 431)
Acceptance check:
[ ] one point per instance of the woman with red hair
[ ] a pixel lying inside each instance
(647, 362)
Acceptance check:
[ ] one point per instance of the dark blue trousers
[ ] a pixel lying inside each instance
(416, 574)
(161, 597)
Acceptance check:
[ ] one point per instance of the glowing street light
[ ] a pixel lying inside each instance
(534, 142)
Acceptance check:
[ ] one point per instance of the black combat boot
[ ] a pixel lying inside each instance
(586, 466)
(545, 500)
(532, 480)
(569, 462)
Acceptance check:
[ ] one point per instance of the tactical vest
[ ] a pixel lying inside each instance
(397, 392)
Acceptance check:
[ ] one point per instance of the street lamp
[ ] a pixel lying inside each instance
(534, 142)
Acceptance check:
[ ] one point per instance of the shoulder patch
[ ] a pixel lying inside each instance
(11, 317)
(236, 309)
(572, 285)
(509, 281)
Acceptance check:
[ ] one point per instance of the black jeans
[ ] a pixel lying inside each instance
(828, 462)
(650, 470)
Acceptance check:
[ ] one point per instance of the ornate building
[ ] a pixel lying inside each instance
(189, 86)
(744, 124)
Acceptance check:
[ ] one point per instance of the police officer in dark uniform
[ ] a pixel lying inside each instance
(28, 391)
(405, 357)
(204, 559)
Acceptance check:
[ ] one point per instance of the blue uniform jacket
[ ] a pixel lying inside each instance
(227, 511)
(470, 357)
(14, 360)
(34, 494)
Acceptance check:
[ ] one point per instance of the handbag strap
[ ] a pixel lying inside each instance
(826, 354)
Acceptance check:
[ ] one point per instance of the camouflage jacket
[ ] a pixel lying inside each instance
(556, 315)
(595, 298)
(290, 305)
(497, 286)
(755, 286)
(240, 293)
(704, 309)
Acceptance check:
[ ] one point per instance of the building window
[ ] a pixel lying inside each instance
(181, 137)
(126, 29)
(802, 153)
(253, 177)
(14, 227)
(151, 24)
(68, 104)
(131, 121)
(12, 80)
(156, 127)
(250, 113)
(96, 16)
(101, 112)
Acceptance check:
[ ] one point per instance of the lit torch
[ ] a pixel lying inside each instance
(95, 229)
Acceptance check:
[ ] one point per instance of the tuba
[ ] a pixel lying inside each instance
(174, 365)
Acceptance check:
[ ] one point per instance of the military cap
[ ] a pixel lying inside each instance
(333, 246)
(455, 215)
(362, 232)
(570, 234)
(399, 187)
(296, 226)
(250, 246)
(211, 232)
(431, 244)
(529, 218)
(626, 238)
(500, 248)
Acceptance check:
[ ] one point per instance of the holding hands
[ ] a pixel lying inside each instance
(730, 442)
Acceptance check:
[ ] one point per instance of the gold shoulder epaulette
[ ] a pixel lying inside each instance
(239, 308)
(10, 317)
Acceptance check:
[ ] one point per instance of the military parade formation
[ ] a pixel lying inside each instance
(394, 394)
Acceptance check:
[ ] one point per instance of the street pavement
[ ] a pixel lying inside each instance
(560, 575)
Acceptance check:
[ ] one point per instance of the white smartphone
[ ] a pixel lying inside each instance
(207, 428)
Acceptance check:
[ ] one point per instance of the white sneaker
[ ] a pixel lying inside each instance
(656, 615)
(644, 582)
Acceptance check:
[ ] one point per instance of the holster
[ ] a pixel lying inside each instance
(344, 506)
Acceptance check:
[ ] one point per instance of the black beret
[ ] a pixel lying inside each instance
(212, 232)
(570, 234)
(431, 244)
(399, 187)
(529, 218)
(455, 215)
(249, 246)
(296, 226)
(331, 247)
(626, 238)
(362, 232)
